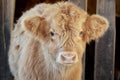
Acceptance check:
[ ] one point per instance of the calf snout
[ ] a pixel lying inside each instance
(67, 57)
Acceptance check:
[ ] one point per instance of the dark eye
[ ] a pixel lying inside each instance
(81, 33)
(52, 33)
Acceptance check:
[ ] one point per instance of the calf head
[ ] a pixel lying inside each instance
(65, 32)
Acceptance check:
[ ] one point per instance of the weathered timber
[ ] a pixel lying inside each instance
(6, 23)
(105, 46)
(2, 46)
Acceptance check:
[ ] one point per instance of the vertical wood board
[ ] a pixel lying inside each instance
(6, 22)
(9, 6)
(2, 47)
(81, 3)
(105, 46)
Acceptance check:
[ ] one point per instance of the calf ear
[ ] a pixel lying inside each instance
(37, 26)
(95, 27)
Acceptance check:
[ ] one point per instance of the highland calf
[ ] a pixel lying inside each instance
(49, 40)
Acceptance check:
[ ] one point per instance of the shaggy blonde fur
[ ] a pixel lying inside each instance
(33, 50)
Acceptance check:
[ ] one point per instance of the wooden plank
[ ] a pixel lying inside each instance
(118, 8)
(9, 6)
(6, 22)
(83, 5)
(105, 47)
(90, 48)
(2, 50)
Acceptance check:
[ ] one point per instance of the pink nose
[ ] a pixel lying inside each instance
(68, 57)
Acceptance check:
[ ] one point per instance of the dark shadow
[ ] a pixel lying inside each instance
(117, 52)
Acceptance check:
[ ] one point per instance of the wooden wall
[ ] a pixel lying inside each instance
(6, 22)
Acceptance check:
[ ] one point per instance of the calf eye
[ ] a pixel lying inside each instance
(81, 33)
(52, 33)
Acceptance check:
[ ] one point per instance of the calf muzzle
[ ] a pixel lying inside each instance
(67, 57)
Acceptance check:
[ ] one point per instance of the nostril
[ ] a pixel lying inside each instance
(63, 58)
(74, 57)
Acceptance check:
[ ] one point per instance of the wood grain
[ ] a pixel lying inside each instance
(81, 3)
(2, 47)
(6, 23)
(105, 47)
(118, 8)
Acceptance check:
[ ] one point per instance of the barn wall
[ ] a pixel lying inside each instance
(118, 8)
